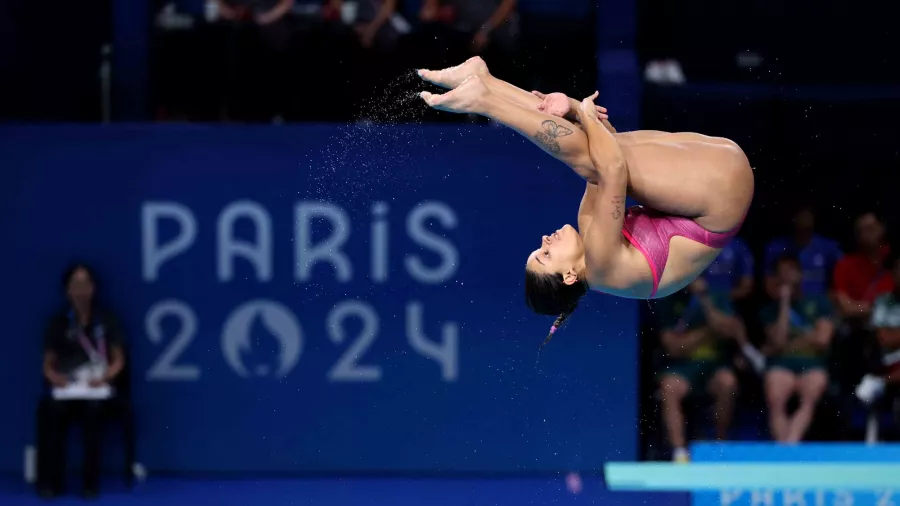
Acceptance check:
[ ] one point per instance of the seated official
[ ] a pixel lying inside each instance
(82, 357)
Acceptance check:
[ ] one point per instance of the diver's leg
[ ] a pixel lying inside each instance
(639, 136)
(711, 183)
(557, 136)
(452, 77)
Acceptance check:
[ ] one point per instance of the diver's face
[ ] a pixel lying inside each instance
(560, 253)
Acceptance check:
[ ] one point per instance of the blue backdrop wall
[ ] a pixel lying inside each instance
(316, 298)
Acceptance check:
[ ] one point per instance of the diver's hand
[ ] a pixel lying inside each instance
(563, 106)
(587, 111)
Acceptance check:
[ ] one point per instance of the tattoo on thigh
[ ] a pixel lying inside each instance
(618, 206)
(550, 131)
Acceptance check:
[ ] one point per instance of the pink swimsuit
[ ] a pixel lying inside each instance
(650, 232)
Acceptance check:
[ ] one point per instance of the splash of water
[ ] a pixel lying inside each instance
(370, 153)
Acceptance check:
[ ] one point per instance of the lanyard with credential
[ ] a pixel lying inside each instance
(96, 355)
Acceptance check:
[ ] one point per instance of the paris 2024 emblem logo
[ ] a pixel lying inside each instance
(257, 318)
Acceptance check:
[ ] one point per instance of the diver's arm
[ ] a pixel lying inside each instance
(586, 209)
(604, 120)
(603, 238)
(608, 125)
(572, 113)
(603, 148)
(603, 242)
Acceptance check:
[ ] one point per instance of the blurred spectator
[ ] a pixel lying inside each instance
(658, 42)
(264, 13)
(373, 23)
(378, 29)
(698, 324)
(730, 276)
(454, 30)
(260, 61)
(799, 330)
(861, 276)
(257, 48)
(817, 255)
(732, 271)
(886, 324)
(83, 343)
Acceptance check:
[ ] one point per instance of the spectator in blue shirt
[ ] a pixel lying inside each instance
(730, 278)
(817, 255)
(732, 271)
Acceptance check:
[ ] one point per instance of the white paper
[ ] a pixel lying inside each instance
(82, 391)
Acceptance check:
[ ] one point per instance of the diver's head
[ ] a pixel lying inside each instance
(555, 275)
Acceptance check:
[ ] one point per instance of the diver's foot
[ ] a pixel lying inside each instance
(454, 76)
(468, 97)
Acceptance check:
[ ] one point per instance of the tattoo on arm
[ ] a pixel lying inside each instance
(550, 131)
(618, 206)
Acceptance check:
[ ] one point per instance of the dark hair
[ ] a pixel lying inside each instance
(788, 258)
(548, 294)
(803, 207)
(867, 211)
(72, 269)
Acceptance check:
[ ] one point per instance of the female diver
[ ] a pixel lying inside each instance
(696, 191)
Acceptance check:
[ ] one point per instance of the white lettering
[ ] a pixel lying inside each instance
(165, 368)
(793, 498)
(446, 354)
(762, 498)
(153, 254)
(258, 252)
(727, 497)
(820, 498)
(307, 254)
(843, 498)
(415, 227)
(346, 368)
(885, 498)
(379, 273)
